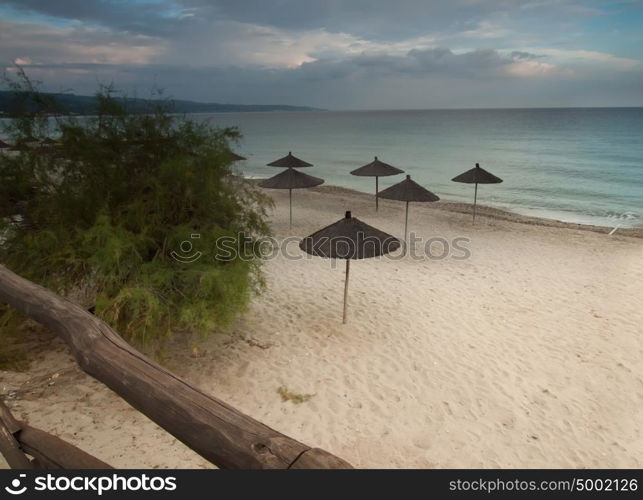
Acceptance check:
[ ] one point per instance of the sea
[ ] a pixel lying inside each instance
(582, 165)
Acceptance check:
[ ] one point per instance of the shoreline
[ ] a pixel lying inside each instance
(493, 213)
(484, 210)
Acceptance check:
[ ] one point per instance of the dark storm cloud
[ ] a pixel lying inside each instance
(374, 16)
(363, 17)
(375, 19)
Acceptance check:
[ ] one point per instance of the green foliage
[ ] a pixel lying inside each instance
(106, 207)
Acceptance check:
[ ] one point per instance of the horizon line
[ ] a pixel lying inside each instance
(485, 108)
(370, 110)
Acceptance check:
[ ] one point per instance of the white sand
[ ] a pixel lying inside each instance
(527, 354)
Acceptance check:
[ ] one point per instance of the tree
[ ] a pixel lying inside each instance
(106, 208)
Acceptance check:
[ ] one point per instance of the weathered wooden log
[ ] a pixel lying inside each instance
(8, 419)
(49, 451)
(10, 449)
(212, 428)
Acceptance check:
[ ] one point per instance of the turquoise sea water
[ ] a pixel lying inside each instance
(576, 165)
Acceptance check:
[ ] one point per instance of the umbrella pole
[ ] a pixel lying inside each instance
(290, 196)
(377, 189)
(475, 201)
(406, 223)
(348, 268)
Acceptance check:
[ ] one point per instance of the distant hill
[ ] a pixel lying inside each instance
(86, 105)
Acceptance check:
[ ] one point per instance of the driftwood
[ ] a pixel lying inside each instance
(212, 428)
(49, 452)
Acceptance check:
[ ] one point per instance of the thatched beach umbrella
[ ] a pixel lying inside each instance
(477, 175)
(4, 145)
(349, 238)
(291, 179)
(235, 157)
(289, 161)
(24, 144)
(408, 191)
(48, 145)
(377, 169)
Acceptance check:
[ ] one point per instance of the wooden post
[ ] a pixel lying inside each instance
(406, 220)
(215, 430)
(348, 268)
(475, 201)
(377, 190)
(290, 196)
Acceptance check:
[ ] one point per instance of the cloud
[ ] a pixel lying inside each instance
(380, 20)
(364, 82)
(442, 62)
(384, 19)
(44, 44)
(522, 55)
(531, 69)
(486, 30)
(332, 53)
(147, 18)
(596, 59)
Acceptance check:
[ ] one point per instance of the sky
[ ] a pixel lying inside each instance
(335, 54)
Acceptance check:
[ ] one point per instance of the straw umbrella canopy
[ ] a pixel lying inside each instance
(289, 161)
(4, 145)
(377, 169)
(408, 191)
(477, 175)
(291, 179)
(235, 157)
(349, 238)
(48, 145)
(24, 144)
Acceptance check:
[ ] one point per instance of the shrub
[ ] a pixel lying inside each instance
(106, 206)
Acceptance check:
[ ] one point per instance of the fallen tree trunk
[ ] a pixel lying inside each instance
(212, 428)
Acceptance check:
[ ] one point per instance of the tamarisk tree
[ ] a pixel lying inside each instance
(105, 203)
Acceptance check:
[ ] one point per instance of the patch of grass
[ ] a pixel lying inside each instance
(297, 399)
(13, 358)
(21, 340)
(13, 351)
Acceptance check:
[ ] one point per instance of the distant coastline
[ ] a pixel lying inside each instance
(87, 105)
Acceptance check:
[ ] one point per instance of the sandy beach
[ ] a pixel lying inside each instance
(526, 354)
